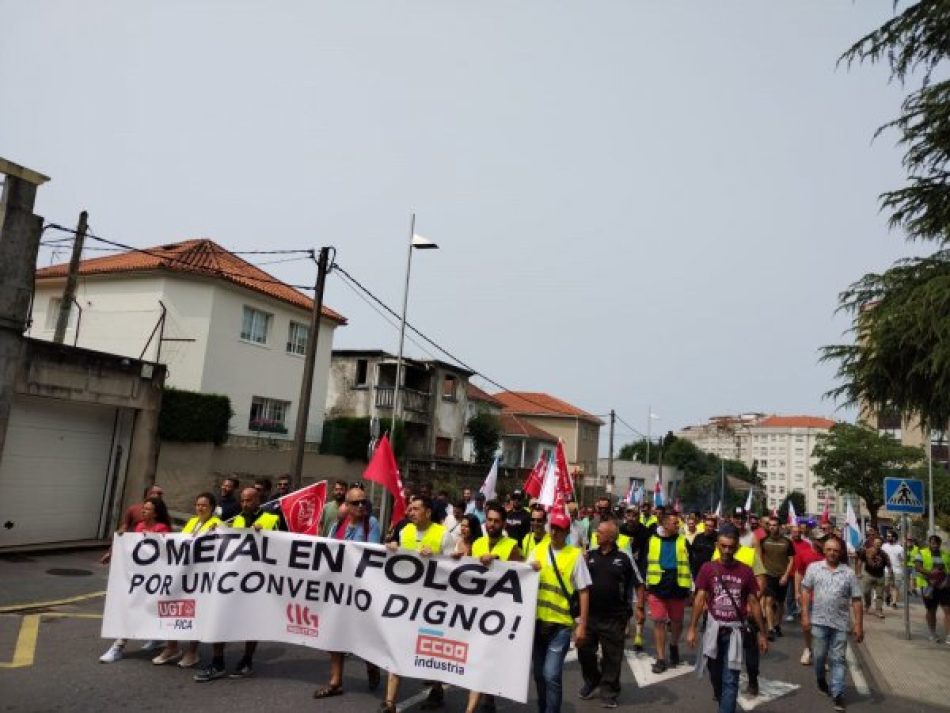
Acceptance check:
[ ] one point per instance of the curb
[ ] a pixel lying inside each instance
(29, 606)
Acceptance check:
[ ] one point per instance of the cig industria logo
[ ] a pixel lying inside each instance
(302, 620)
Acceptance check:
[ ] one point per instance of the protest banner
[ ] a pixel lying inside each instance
(433, 618)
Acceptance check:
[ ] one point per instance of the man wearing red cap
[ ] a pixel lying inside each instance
(564, 574)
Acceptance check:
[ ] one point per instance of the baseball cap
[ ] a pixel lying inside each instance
(561, 520)
(517, 494)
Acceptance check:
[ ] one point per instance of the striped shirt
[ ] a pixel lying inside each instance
(832, 593)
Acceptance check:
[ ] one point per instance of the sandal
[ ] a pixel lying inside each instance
(328, 692)
(387, 707)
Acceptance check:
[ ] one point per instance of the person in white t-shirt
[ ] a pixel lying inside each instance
(895, 578)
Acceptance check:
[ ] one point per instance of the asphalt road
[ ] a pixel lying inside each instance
(60, 671)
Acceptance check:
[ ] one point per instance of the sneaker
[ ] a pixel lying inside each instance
(112, 655)
(823, 686)
(587, 691)
(609, 703)
(210, 673)
(244, 669)
(674, 656)
(152, 644)
(806, 657)
(659, 666)
(789, 618)
(930, 637)
(839, 703)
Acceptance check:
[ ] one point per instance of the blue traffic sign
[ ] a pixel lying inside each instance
(904, 495)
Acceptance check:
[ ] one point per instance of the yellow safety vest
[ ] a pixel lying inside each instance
(502, 548)
(553, 606)
(649, 521)
(655, 572)
(528, 543)
(744, 554)
(190, 526)
(431, 538)
(928, 564)
(623, 541)
(267, 521)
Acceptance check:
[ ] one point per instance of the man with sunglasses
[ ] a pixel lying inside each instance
(360, 527)
(537, 535)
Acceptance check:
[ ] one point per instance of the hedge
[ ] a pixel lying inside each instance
(193, 417)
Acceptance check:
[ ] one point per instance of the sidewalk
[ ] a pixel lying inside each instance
(917, 669)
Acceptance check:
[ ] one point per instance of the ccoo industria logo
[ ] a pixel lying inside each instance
(435, 651)
(301, 620)
(177, 614)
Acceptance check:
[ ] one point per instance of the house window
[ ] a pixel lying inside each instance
(255, 326)
(52, 314)
(267, 415)
(763, 464)
(297, 337)
(362, 367)
(443, 447)
(448, 387)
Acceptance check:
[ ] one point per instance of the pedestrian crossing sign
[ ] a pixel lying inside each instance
(904, 495)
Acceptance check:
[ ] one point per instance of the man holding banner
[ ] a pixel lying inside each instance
(427, 538)
(251, 516)
(564, 574)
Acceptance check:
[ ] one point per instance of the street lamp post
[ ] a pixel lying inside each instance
(419, 243)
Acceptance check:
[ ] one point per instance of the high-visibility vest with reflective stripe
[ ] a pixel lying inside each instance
(502, 548)
(623, 542)
(553, 606)
(528, 543)
(744, 554)
(191, 527)
(928, 564)
(431, 538)
(655, 571)
(267, 521)
(648, 521)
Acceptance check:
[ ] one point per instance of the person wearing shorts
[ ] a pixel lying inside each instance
(933, 564)
(669, 585)
(778, 556)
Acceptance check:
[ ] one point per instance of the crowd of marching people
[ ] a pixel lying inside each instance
(724, 586)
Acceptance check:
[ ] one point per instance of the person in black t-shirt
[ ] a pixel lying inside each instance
(875, 564)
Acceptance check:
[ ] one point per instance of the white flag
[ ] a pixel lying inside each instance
(491, 482)
(792, 516)
(852, 531)
(549, 484)
(719, 510)
(748, 500)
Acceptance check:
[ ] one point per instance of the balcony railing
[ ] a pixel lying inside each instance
(412, 400)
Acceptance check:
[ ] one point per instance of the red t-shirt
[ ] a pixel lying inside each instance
(726, 587)
(804, 555)
(156, 527)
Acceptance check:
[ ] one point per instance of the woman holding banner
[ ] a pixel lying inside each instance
(203, 521)
(360, 527)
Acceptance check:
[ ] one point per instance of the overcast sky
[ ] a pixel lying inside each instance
(636, 203)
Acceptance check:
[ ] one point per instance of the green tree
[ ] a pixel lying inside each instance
(856, 459)
(485, 430)
(797, 499)
(901, 317)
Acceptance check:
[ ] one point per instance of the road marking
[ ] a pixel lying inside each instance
(418, 698)
(769, 690)
(25, 643)
(24, 651)
(44, 605)
(857, 675)
(641, 664)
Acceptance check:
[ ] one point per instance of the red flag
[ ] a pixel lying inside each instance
(565, 486)
(302, 508)
(826, 513)
(382, 469)
(532, 485)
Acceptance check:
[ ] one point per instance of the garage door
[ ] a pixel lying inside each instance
(54, 471)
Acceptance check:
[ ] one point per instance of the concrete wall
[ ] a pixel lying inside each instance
(186, 469)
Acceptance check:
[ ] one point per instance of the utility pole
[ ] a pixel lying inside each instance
(306, 383)
(610, 455)
(69, 292)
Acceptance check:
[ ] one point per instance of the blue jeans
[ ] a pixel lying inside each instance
(725, 681)
(550, 647)
(828, 645)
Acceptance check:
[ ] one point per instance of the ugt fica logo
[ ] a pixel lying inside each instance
(302, 620)
(176, 613)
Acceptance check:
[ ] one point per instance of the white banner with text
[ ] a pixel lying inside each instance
(433, 618)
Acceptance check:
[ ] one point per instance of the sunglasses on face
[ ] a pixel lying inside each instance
(358, 484)
(358, 503)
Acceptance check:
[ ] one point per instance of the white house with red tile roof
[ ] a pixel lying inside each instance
(781, 446)
(220, 324)
(579, 429)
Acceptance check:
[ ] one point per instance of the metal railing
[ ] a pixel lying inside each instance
(412, 400)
